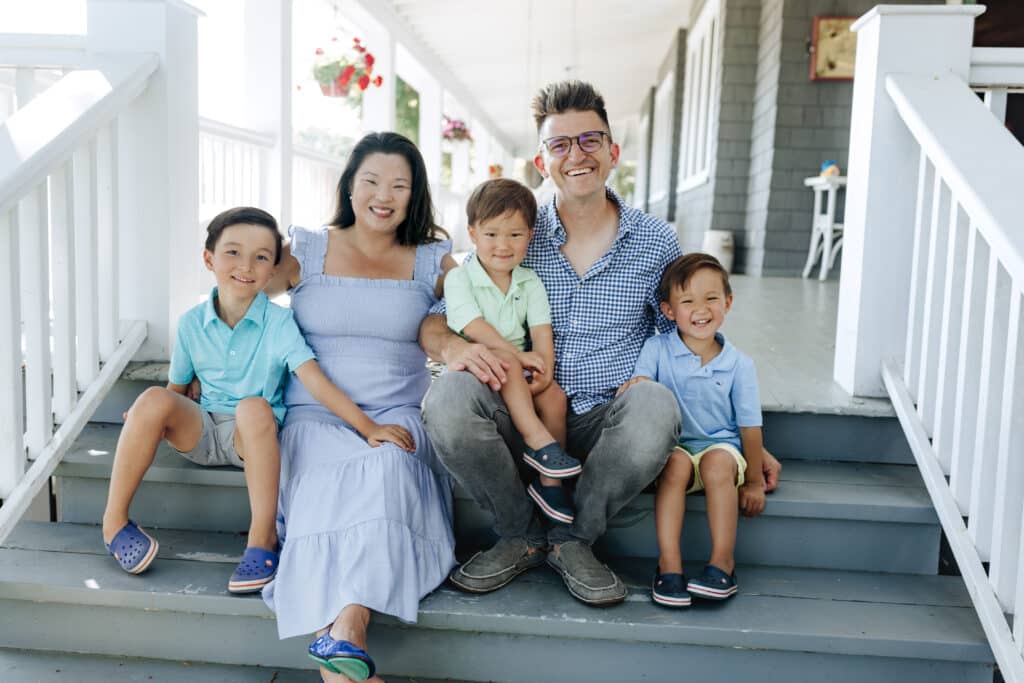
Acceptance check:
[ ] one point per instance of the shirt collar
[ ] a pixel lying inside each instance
(725, 360)
(556, 231)
(478, 277)
(256, 313)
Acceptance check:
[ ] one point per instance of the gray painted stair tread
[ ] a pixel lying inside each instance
(23, 666)
(855, 614)
(836, 490)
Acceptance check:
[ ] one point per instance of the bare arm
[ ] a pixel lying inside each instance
(440, 343)
(286, 274)
(753, 489)
(542, 339)
(338, 402)
(482, 332)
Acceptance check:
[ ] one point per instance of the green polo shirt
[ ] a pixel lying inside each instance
(470, 293)
(253, 359)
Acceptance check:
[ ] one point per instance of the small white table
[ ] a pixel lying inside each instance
(826, 234)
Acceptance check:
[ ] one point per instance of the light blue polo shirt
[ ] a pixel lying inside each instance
(252, 359)
(715, 399)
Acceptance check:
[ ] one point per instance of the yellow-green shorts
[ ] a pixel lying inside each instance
(741, 464)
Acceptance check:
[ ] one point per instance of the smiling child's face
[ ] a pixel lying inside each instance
(698, 309)
(501, 242)
(242, 261)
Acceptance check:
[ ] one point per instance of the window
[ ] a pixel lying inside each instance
(661, 145)
(700, 96)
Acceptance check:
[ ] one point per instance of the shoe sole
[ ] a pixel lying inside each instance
(554, 474)
(475, 589)
(666, 601)
(588, 601)
(242, 587)
(549, 511)
(712, 593)
(144, 563)
(350, 667)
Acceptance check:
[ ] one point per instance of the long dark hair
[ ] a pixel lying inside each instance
(418, 226)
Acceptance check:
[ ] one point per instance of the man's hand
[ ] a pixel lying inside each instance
(752, 498)
(630, 382)
(395, 434)
(479, 360)
(772, 469)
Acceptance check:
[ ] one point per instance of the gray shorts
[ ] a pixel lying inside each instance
(216, 446)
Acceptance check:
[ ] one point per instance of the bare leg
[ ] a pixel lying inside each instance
(256, 443)
(157, 413)
(516, 394)
(718, 472)
(350, 624)
(550, 405)
(669, 509)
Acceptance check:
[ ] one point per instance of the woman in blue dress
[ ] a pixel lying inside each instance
(365, 525)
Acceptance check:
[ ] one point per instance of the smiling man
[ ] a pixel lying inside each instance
(601, 262)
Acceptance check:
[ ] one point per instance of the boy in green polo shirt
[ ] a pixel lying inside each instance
(241, 348)
(494, 301)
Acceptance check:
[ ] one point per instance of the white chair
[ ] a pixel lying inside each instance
(826, 234)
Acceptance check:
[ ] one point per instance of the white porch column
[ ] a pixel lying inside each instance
(379, 103)
(878, 235)
(431, 99)
(268, 92)
(158, 164)
(481, 154)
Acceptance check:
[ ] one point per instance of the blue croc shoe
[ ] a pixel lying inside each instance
(133, 548)
(669, 590)
(552, 461)
(342, 657)
(553, 501)
(255, 571)
(713, 584)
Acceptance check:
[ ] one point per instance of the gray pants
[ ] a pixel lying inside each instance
(624, 445)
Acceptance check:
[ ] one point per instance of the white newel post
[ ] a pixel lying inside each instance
(268, 94)
(158, 163)
(883, 168)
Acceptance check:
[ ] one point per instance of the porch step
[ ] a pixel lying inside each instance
(831, 515)
(62, 591)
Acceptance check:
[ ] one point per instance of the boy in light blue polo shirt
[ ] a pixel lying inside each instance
(720, 444)
(241, 348)
(494, 301)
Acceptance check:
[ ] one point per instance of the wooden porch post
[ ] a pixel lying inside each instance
(878, 237)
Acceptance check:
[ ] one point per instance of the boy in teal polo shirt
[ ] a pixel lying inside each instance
(720, 444)
(494, 301)
(240, 347)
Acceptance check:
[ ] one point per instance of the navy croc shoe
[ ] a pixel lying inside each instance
(553, 501)
(256, 570)
(713, 584)
(669, 590)
(133, 548)
(342, 657)
(552, 461)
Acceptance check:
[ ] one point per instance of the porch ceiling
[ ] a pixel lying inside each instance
(502, 51)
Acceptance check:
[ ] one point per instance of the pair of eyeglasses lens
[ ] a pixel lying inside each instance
(591, 141)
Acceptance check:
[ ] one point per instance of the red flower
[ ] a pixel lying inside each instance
(355, 41)
(319, 52)
(364, 82)
(334, 39)
(344, 78)
(368, 58)
(360, 48)
(378, 81)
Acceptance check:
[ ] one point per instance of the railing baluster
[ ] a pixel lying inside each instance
(107, 252)
(932, 313)
(996, 100)
(33, 241)
(12, 449)
(986, 441)
(65, 387)
(1010, 466)
(912, 359)
(84, 181)
(968, 370)
(952, 312)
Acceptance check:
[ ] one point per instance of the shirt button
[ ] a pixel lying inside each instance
(232, 353)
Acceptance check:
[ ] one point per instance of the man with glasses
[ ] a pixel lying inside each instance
(601, 262)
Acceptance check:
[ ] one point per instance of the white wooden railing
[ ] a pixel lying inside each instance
(62, 343)
(232, 167)
(315, 178)
(944, 260)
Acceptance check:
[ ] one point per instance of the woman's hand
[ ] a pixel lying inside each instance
(630, 382)
(395, 434)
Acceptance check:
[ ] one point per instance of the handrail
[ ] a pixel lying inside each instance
(233, 132)
(49, 128)
(997, 67)
(986, 185)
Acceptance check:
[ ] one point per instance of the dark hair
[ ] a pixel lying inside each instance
(496, 197)
(248, 215)
(418, 226)
(679, 272)
(558, 98)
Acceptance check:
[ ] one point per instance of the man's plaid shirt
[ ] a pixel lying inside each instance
(601, 320)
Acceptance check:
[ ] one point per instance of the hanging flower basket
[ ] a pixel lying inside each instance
(495, 170)
(455, 130)
(347, 74)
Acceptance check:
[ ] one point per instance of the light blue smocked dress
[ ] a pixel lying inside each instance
(359, 525)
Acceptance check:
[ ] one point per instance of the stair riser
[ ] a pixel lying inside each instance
(847, 438)
(452, 654)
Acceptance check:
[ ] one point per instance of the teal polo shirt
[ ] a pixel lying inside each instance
(470, 293)
(253, 359)
(715, 399)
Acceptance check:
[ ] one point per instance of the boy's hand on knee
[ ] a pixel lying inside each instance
(630, 382)
(195, 389)
(395, 434)
(752, 498)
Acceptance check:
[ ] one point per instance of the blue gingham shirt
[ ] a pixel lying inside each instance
(601, 320)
